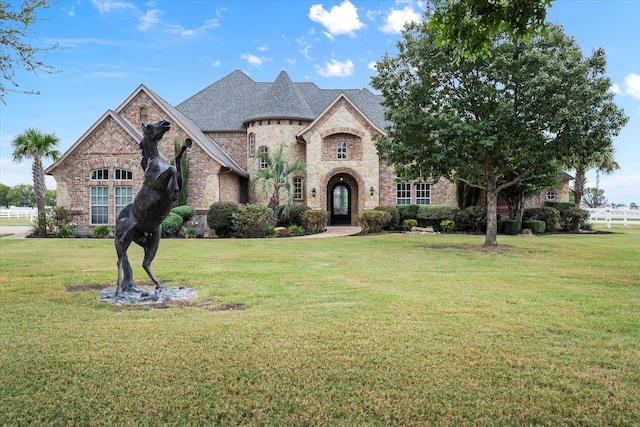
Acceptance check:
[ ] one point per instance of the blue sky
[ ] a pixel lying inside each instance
(177, 48)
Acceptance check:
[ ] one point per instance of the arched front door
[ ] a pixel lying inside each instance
(340, 204)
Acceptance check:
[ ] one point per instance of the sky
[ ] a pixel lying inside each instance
(176, 48)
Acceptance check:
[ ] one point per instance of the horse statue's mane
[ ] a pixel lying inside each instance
(141, 220)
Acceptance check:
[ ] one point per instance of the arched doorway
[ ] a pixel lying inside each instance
(340, 202)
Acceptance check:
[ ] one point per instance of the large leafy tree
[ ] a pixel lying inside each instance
(470, 26)
(274, 178)
(35, 145)
(492, 121)
(15, 52)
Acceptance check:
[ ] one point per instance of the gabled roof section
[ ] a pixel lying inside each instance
(340, 97)
(108, 114)
(234, 99)
(190, 128)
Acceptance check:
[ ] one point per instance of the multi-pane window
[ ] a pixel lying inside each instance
(123, 196)
(100, 174)
(264, 152)
(297, 188)
(123, 174)
(423, 193)
(99, 205)
(551, 195)
(403, 193)
(342, 150)
(252, 144)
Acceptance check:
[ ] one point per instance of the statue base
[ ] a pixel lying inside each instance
(147, 296)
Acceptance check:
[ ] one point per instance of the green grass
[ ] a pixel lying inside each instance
(15, 221)
(370, 330)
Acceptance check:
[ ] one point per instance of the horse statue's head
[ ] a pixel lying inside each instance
(152, 133)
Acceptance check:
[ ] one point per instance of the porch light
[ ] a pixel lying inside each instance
(371, 190)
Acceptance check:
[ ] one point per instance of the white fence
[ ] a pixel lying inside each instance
(614, 216)
(30, 213)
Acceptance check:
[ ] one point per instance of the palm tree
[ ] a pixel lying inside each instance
(35, 145)
(600, 161)
(274, 176)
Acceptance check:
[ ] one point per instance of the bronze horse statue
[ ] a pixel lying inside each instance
(141, 220)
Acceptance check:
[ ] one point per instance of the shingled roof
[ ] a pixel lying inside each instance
(236, 99)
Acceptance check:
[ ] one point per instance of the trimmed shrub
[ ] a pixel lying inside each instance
(171, 224)
(101, 231)
(447, 225)
(509, 226)
(574, 219)
(270, 232)
(433, 215)
(65, 230)
(548, 214)
(186, 212)
(408, 224)
(315, 221)
(372, 221)
(190, 232)
(251, 220)
(220, 218)
(394, 216)
(473, 218)
(294, 217)
(536, 226)
(408, 212)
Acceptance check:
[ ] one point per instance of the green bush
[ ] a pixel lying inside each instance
(315, 221)
(270, 231)
(548, 214)
(372, 221)
(220, 218)
(296, 230)
(171, 224)
(536, 226)
(408, 212)
(394, 216)
(65, 230)
(186, 212)
(433, 215)
(574, 219)
(447, 225)
(473, 218)
(408, 224)
(294, 217)
(101, 231)
(190, 232)
(509, 226)
(251, 220)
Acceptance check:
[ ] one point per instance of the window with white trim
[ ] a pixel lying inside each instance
(264, 152)
(123, 196)
(252, 144)
(99, 205)
(97, 174)
(123, 175)
(403, 193)
(297, 188)
(423, 193)
(341, 148)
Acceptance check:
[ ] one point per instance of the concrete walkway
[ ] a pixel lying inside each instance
(20, 232)
(15, 232)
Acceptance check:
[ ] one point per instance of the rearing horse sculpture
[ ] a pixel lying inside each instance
(141, 220)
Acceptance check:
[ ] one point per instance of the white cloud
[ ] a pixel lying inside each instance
(194, 32)
(632, 82)
(254, 60)
(149, 19)
(337, 69)
(615, 88)
(397, 18)
(339, 20)
(105, 6)
(372, 66)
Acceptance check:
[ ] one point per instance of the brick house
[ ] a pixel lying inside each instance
(331, 130)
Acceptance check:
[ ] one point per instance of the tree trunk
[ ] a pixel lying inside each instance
(39, 188)
(274, 204)
(491, 238)
(579, 184)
